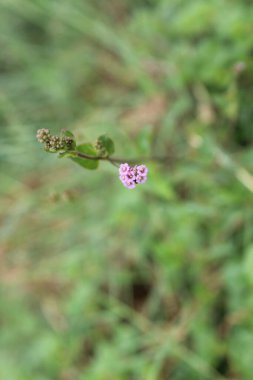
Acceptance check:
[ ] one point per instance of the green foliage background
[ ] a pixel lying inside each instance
(99, 282)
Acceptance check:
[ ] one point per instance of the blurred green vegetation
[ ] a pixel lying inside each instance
(99, 282)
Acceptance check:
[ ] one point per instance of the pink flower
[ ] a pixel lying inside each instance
(129, 184)
(123, 169)
(142, 170)
(141, 179)
(132, 176)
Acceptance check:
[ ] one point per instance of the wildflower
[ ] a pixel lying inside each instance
(132, 176)
(142, 170)
(123, 169)
(141, 179)
(129, 184)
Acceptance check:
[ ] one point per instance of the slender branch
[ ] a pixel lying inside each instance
(117, 160)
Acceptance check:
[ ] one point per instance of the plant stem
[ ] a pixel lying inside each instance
(118, 160)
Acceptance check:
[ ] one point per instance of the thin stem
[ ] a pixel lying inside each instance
(118, 160)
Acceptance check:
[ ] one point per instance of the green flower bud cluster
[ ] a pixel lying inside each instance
(67, 142)
(54, 143)
(100, 148)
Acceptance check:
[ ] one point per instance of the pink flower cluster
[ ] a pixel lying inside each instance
(131, 176)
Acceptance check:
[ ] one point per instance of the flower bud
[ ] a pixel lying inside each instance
(43, 135)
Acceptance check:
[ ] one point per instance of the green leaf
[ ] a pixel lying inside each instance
(107, 144)
(66, 133)
(90, 151)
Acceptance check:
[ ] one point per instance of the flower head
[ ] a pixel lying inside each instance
(131, 176)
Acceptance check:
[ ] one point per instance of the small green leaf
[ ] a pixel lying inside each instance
(90, 151)
(106, 143)
(66, 133)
